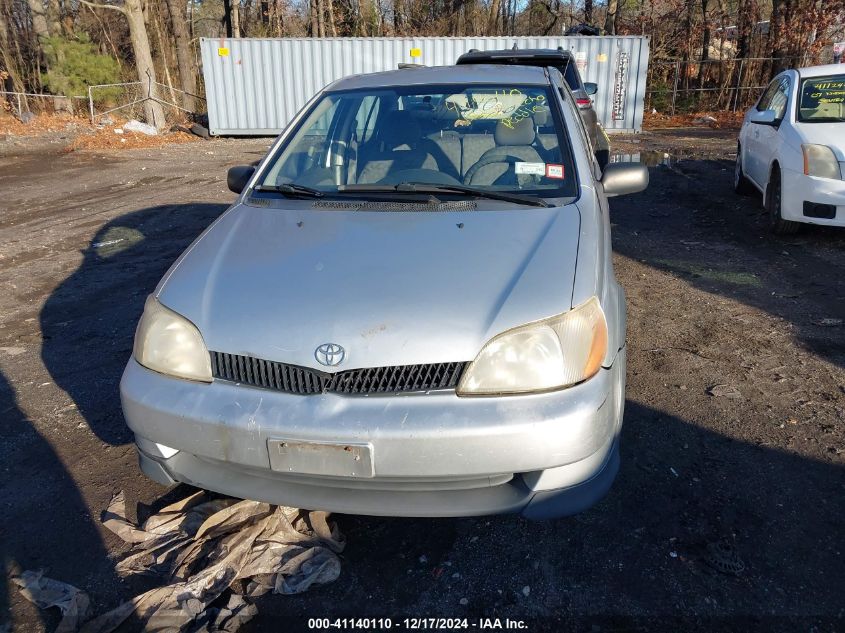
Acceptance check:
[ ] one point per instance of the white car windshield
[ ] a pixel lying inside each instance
(822, 100)
(497, 138)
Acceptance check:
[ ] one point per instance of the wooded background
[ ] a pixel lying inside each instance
(63, 46)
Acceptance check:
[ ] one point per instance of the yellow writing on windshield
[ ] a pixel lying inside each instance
(508, 106)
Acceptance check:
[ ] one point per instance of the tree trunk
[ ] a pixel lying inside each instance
(493, 20)
(588, 11)
(321, 18)
(398, 17)
(705, 50)
(134, 11)
(155, 21)
(53, 14)
(6, 62)
(184, 59)
(361, 22)
(312, 11)
(39, 18)
(236, 18)
(610, 18)
(332, 27)
(227, 16)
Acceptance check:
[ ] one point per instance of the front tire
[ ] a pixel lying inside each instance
(742, 185)
(774, 200)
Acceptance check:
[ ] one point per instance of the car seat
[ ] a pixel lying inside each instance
(514, 144)
(398, 146)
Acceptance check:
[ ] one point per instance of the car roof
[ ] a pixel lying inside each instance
(476, 74)
(821, 71)
(514, 56)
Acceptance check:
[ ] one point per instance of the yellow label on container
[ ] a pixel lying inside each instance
(223, 52)
(416, 52)
(601, 57)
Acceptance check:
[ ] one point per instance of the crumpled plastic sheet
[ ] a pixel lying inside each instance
(46, 593)
(203, 547)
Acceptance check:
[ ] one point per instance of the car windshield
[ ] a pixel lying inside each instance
(822, 100)
(494, 138)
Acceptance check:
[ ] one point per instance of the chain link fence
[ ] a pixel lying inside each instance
(129, 100)
(20, 103)
(675, 87)
(123, 100)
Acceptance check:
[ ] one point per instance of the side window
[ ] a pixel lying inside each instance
(766, 99)
(307, 156)
(779, 99)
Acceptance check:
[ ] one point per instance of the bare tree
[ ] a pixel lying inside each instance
(610, 18)
(236, 18)
(133, 10)
(184, 59)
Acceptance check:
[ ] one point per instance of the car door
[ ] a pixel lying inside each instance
(767, 137)
(751, 162)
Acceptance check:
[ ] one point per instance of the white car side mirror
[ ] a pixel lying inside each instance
(620, 179)
(763, 117)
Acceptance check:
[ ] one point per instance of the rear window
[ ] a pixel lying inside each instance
(505, 138)
(822, 100)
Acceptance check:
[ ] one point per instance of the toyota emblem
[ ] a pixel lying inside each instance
(330, 354)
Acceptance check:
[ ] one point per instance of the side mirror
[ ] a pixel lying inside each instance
(620, 179)
(763, 117)
(591, 88)
(238, 177)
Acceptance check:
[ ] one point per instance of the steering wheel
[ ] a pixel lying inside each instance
(428, 176)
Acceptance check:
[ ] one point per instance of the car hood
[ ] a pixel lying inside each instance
(830, 134)
(392, 288)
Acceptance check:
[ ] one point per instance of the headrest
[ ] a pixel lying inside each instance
(521, 133)
(400, 128)
(541, 118)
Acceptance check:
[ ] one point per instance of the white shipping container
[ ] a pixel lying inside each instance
(255, 86)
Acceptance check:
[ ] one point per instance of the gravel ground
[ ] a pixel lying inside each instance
(728, 509)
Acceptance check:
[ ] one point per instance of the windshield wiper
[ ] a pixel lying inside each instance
(424, 187)
(473, 191)
(291, 189)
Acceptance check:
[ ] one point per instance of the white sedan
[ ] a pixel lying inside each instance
(792, 148)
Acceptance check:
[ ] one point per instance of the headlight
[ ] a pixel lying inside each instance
(170, 344)
(819, 160)
(541, 356)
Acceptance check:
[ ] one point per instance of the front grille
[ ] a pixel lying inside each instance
(305, 381)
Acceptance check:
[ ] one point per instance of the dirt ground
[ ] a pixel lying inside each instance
(733, 447)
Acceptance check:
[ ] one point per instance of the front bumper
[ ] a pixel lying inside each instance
(433, 454)
(798, 189)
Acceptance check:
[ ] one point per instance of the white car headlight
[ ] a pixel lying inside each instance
(541, 356)
(819, 160)
(170, 344)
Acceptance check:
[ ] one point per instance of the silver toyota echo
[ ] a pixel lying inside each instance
(409, 310)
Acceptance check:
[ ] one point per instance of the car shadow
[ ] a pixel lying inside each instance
(699, 532)
(88, 322)
(689, 222)
(49, 526)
